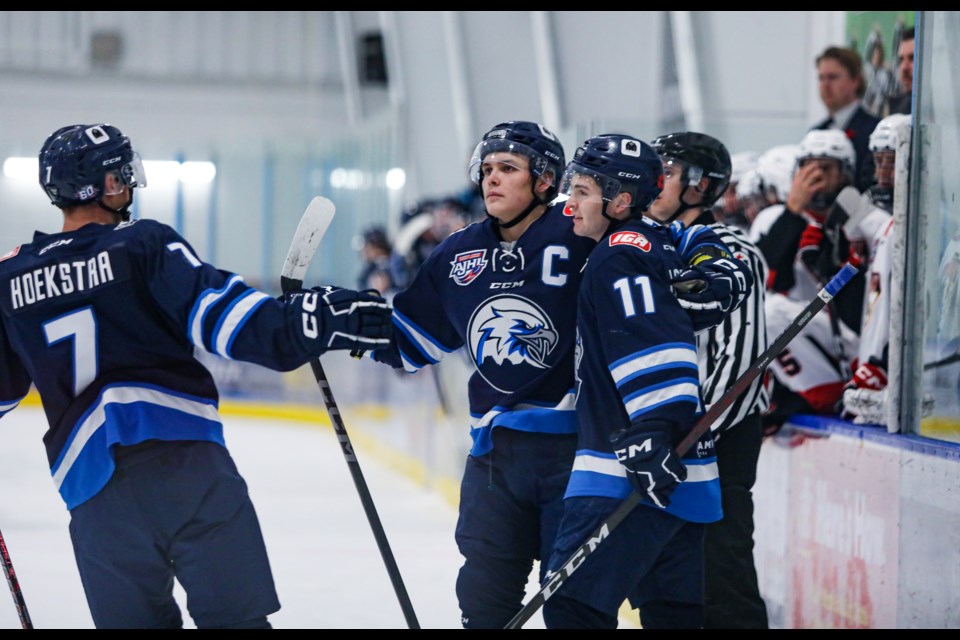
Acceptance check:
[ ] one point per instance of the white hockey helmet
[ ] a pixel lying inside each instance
(828, 143)
(741, 163)
(776, 166)
(750, 184)
(884, 136)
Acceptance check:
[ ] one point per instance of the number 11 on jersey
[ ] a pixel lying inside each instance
(626, 295)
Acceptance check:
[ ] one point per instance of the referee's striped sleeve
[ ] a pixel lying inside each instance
(727, 351)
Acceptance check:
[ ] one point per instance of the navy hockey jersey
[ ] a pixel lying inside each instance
(512, 307)
(104, 320)
(636, 361)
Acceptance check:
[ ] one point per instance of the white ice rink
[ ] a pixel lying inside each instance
(328, 569)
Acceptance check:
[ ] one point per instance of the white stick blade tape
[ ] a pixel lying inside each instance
(313, 225)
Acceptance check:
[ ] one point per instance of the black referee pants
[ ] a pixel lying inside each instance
(732, 594)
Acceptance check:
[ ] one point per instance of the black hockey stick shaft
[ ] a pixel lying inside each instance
(365, 498)
(936, 364)
(14, 585)
(699, 428)
(313, 225)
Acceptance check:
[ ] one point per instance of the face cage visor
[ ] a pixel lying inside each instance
(609, 187)
(538, 164)
(690, 174)
(130, 174)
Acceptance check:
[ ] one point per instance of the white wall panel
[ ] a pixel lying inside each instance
(207, 83)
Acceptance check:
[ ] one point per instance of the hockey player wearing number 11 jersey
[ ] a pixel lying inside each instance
(638, 394)
(505, 290)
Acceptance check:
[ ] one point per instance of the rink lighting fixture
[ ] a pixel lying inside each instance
(158, 171)
(396, 178)
(341, 178)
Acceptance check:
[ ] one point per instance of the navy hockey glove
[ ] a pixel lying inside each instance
(711, 289)
(348, 319)
(653, 467)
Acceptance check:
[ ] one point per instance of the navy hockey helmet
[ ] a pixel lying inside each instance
(531, 139)
(619, 163)
(75, 160)
(701, 156)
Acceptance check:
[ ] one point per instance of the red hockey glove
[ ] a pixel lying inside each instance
(869, 376)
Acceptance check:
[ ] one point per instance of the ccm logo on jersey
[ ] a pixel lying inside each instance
(631, 238)
(54, 244)
(466, 266)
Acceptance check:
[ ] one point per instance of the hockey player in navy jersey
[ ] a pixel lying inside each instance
(637, 396)
(505, 290)
(103, 319)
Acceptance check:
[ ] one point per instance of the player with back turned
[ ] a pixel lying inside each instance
(104, 319)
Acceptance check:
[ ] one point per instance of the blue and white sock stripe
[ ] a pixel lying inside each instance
(233, 319)
(656, 396)
(95, 417)
(200, 308)
(665, 356)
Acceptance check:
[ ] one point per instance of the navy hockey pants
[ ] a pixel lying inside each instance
(511, 501)
(652, 558)
(173, 509)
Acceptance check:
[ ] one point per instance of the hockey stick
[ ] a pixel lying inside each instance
(706, 420)
(14, 585)
(312, 226)
(936, 364)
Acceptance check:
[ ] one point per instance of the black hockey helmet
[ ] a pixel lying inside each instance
(701, 156)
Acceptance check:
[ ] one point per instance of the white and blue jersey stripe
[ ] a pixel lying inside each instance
(104, 322)
(637, 366)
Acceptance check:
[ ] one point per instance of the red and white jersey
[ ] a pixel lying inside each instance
(875, 330)
(804, 286)
(810, 366)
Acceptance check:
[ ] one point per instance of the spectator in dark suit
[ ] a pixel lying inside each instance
(842, 85)
(903, 102)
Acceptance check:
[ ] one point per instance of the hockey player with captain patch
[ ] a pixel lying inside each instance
(504, 289)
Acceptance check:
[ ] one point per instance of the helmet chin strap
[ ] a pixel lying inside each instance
(123, 212)
(520, 216)
(614, 223)
(536, 202)
(682, 209)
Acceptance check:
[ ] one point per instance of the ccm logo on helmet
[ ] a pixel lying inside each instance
(631, 238)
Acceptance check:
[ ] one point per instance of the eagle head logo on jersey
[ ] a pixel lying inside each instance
(510, 330)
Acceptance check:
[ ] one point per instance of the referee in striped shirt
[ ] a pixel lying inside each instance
(697, 171)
